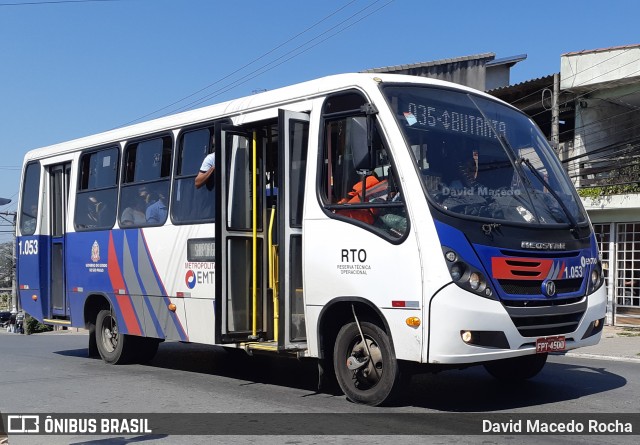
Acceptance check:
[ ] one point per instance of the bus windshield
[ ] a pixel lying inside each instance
(480, 158)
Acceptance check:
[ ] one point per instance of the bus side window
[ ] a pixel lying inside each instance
(342, 186)
(190, 204)
(144, 195)
(97, 190)
(30, 196)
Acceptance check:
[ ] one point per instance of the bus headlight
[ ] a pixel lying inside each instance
(467, 277)
(457, 270)
(596, 278)
(474, 280)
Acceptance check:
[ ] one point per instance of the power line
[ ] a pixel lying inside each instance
(242, 67)
(611, 153)
(575, 98)
(258, 72)
(590, 128)
(261, 70)
(595, 89)
(55, 2)
(573, 75)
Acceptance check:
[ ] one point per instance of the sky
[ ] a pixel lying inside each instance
(71, 68)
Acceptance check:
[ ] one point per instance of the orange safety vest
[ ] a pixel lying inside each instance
(374, 189)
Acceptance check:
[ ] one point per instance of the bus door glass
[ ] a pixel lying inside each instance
(293, 143)
(58, 200)
(239, 308)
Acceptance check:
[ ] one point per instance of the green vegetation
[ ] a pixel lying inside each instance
(33, 326)
(607, 190)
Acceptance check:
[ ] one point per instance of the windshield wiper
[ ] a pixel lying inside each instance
(543, 181)
(510, 152)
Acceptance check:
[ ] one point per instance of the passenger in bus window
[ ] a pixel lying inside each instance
(206, 170)
(157, 211)
(29, 220)
(134, 215)
(95, 209)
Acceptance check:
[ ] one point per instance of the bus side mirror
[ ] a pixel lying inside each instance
(359, 142)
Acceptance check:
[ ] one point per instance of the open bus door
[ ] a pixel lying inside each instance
(292, 151)
(239, 284)
(260, 192)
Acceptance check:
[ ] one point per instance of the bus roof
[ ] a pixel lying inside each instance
(278, 97)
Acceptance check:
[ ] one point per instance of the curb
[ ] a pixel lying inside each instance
(603, 357)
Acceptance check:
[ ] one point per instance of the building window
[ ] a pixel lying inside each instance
(628, 263)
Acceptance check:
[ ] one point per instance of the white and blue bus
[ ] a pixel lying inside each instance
(367, 221)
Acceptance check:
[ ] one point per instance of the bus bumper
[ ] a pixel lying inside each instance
(454, 311)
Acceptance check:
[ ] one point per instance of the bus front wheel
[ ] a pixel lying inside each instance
(366, 369)
(517, 368)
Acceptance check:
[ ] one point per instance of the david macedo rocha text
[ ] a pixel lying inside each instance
(573, 426)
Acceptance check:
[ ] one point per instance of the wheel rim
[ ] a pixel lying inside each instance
(370, 374)
(109, 335)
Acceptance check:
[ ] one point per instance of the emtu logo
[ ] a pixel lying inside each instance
(190, 279)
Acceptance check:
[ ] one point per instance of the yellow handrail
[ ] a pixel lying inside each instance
(270, 241)
(273, 275)
(254, 223)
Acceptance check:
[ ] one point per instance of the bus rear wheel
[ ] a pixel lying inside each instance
(516, 369)
(366, 369)
(113, 346)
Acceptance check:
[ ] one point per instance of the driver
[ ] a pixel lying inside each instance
(467, 173)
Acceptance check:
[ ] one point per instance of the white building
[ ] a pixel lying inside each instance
(604, 162)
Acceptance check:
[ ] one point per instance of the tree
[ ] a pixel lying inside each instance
(6, 264)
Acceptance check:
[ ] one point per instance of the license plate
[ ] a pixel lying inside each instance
(550, 344)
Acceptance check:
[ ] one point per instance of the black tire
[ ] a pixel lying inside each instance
(92, 349)
(377, 381)
(114, 347)
(517, 369)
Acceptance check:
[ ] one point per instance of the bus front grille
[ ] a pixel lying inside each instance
(539, 320)
(534, 287)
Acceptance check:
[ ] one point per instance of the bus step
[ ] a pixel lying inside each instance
(56, 321)
(272, 346)
(261, 346)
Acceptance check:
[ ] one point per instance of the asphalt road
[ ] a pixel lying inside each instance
(51, 373)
